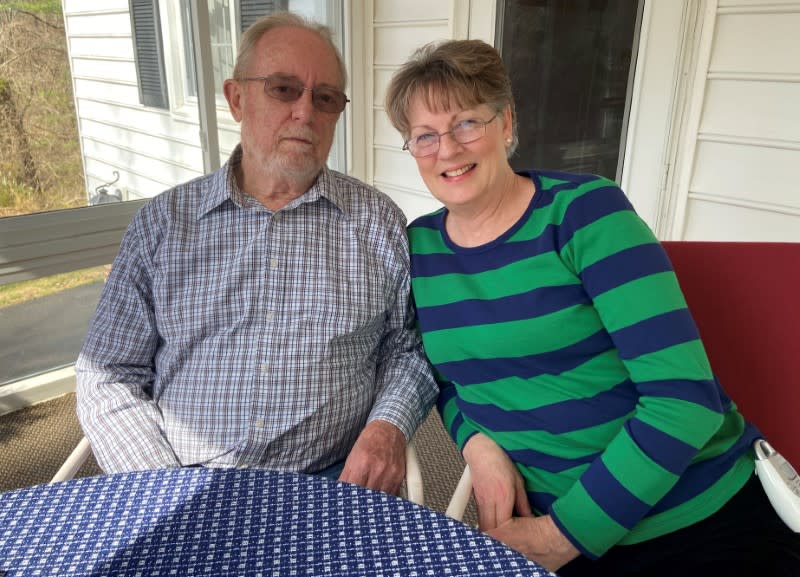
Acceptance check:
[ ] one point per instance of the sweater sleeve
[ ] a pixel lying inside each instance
(627, 275)
(460, 430)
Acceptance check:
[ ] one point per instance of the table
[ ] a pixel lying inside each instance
(238, 522)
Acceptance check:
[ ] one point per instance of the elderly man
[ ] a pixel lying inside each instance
(260, 316)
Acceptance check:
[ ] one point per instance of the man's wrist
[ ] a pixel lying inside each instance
(384, 424)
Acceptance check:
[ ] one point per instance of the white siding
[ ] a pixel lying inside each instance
(738, 172)
(726, 221)
(116, 131)
(397, 29)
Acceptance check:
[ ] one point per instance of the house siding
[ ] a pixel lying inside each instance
(395, 31)
(151, 148)
(739, 177)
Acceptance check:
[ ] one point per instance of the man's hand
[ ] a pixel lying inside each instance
(539, 539)
(497, 484)
(378, 458)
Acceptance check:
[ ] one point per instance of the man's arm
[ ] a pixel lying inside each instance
(115, 371)
(405, 392)
(405, 387)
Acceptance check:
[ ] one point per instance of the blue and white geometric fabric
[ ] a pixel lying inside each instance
(221, 522)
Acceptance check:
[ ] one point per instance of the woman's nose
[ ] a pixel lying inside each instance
(448, 145)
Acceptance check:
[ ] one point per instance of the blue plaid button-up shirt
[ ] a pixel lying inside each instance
(231, 335)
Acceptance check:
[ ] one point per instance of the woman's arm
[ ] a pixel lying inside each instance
(626, 273)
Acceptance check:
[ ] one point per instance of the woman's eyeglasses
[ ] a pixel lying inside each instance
(290, 89)
(462, 132)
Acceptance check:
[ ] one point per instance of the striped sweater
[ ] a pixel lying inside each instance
(568, 342)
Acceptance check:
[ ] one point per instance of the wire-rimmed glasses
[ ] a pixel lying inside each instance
(463, 132)
(290, 88)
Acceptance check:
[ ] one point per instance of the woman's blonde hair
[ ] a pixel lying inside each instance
(449, 75)
(281, 19)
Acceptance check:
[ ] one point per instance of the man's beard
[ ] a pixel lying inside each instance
(295, 167)
(299, 165)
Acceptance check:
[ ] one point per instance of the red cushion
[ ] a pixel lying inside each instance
(745, 298)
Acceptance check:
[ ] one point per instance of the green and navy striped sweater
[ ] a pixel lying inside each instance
(568, 342)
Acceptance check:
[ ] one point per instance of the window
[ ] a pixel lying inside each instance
(45, 227)
(223, 46)
(224, 38)
(570, 64)
(148, 43)
(252, 10)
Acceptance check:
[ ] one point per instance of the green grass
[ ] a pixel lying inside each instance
(34, 6)
(26, 291)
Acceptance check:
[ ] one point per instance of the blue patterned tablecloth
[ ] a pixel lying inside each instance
(220, 522)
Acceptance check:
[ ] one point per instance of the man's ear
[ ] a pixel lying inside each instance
(233, 94)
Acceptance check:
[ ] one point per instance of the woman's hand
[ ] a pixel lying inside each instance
(539, 539)
(497, 484)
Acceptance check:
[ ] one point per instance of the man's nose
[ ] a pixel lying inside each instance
(303, 107)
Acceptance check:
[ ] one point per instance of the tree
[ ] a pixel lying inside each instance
(40, 167)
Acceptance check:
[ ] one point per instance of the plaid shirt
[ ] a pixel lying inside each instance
(231, 335)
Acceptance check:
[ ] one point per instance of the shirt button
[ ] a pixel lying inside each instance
(273, 263)
(270, 316)
(260, 423)
(265, 368)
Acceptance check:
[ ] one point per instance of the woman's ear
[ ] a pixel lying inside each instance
(508, 125)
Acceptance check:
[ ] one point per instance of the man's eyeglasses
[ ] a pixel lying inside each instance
(290, 89)
(462, 132)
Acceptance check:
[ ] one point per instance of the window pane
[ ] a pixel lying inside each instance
(48, 174)
(42, 322)
(189, 67)
(330, 13)
(221, 29)
(569, 62)
(222, 49)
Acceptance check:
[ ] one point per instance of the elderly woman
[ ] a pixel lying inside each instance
(571, 373)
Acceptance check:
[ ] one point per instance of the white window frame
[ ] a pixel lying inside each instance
(182, 104)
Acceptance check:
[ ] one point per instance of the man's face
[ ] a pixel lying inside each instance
(286, 140)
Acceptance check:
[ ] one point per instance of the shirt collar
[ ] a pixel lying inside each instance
(221, 185)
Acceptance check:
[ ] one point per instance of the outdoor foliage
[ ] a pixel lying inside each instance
(40, 163)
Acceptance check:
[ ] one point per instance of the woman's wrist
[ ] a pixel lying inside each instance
(477, 445)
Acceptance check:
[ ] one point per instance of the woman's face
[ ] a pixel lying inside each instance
(462, 175)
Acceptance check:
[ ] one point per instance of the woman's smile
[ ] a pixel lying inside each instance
(454, 173)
